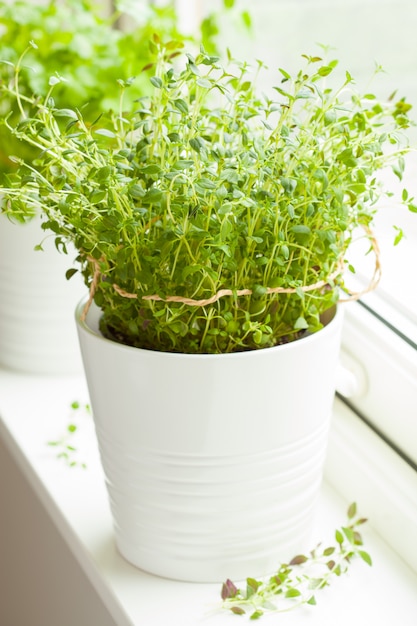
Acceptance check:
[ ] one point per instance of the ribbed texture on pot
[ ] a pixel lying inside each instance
(231, 513)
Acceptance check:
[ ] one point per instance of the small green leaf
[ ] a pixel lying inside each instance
(230, 175)
(256, 614)
(258, 336)
(289, 184)
(315, 583)
(156, 82)
(365, 557)
(103, 173)
(284, 73)
(182, 164)
(69, 273)
(237, 610)
(203, 82)
(66, 113)
(349, 534)
(337, 570)
(252, 586)
(300, 324)
(285, 251)
(151, 169)
(195, 144)
(152, 196)
(325, 70)
(301, 229)
(247, 20)
(398, 168)
(358, 538)
(193, 68)
(105, 133)
(259, 291)
(181, 105)
(299, 560)
(206, 183)
(352, 510)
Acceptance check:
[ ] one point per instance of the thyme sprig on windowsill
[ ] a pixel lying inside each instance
(296, 583)
(65, 445)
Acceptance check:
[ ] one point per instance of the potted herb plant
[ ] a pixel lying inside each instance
(212, 226)
(73, 41)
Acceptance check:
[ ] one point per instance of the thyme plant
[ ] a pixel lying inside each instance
(296, 583)
(209, 217)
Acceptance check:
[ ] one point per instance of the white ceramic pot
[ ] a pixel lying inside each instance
(37, 330)
(213, 462)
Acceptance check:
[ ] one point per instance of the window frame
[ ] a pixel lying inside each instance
(367, 470)
(385, 362)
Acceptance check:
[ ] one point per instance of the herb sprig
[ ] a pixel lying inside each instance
(64, 446)
(90, 53)
(296, 583)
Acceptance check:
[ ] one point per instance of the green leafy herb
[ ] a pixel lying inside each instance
(71, 46)
(206, 187)
(296, 583)
(65, 447)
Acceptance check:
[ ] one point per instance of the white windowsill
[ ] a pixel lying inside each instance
(34, 410)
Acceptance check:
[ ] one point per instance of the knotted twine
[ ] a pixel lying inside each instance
(353, 295)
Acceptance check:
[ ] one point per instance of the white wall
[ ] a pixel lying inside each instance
(361, 31)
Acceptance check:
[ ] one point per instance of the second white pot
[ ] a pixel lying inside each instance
(213, 462)
(37, 330)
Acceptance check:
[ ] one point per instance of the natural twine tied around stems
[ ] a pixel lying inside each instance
(354, 295)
